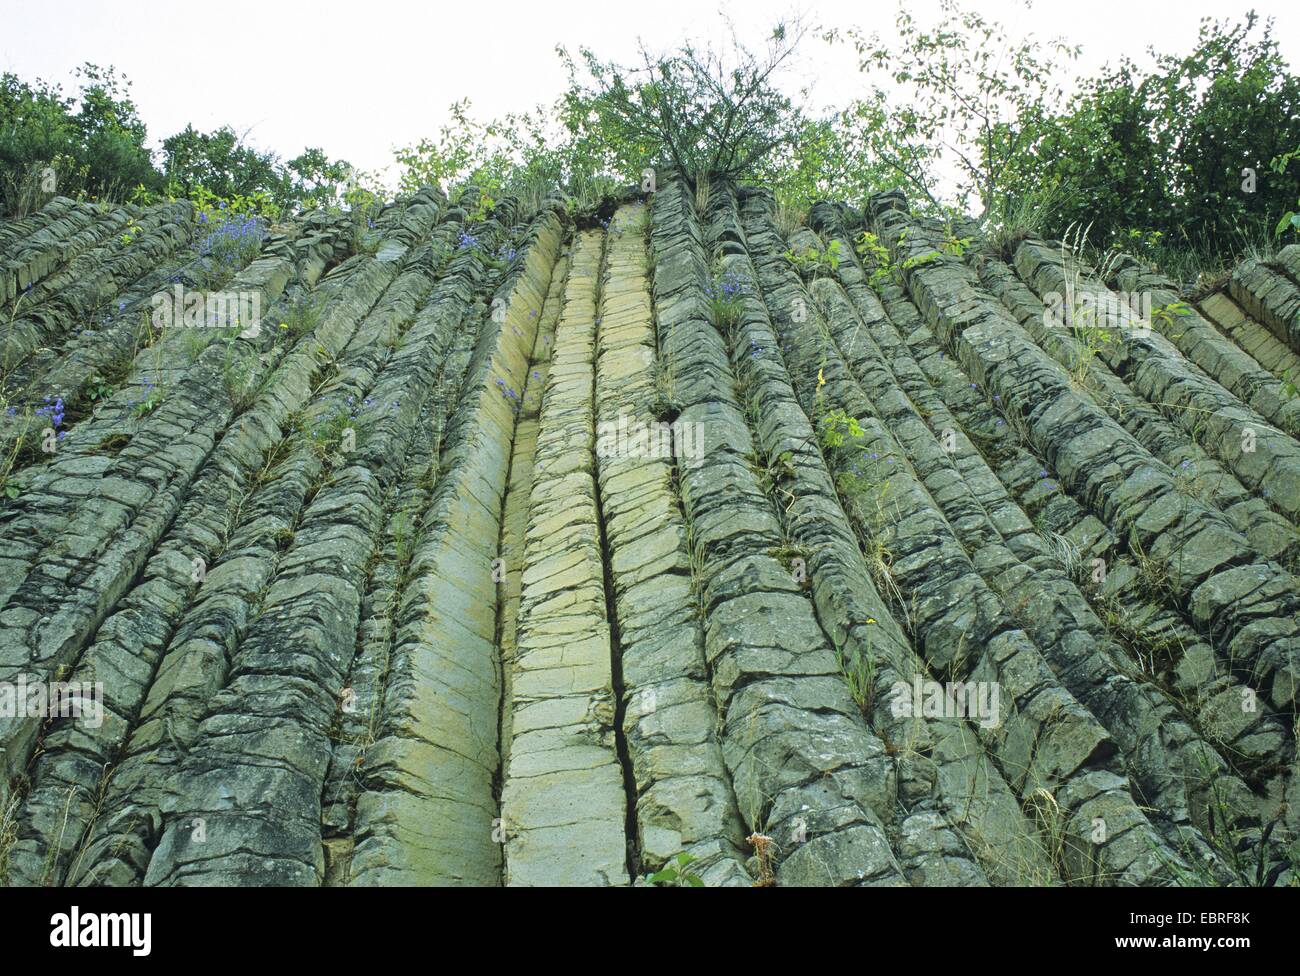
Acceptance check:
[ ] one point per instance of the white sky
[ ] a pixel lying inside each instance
(358, 78)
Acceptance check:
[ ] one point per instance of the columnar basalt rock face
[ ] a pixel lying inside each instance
(563, 806)
(522, 549)
(684, 802)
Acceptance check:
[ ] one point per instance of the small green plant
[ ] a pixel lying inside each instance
(239, 375)
(502, 259)
(676, 873)
(1288, 384)
(859, 670)
(864, 490)
(875, 256)
(837, 427)
(921, 260)
(8, 832)
(132, 231)
(363, 205)
(777, 472)
(842, 439)
(7, 462)
(954, 245)
(1090, 339)
(483, 207)
(403, 538)
(301, 316)
(1290, 221)
(1166, 314)
(666, 405)
(98, 388)
(1144, 244)
(331, 433)
(858, 468)
(727, 298)
(813, 262)
(341, 431)
(150, 399)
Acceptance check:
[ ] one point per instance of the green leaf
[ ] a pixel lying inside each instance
(694, 881)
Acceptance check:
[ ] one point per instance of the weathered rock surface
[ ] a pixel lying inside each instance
(527, 551)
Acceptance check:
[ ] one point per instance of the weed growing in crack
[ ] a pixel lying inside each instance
(239, 376)
(1289, 389)
(8, 461)
(403, 540)
(774, 477)
(863, 492)
(726, 294)
(1154, 654)
(1089, 341)
(1233, 841)
(338, 430)
(677, 873)
(703, 186)
(858, 469)
(1152, 576)
(339, 433)
(765, 854)
(233, 240)
(1051, 820)
(151, 397)
(365, 240)
(666, 405)
(511, 394)
(51, 862)
(1166, 315)
(859, 670)
(1067, 555)
(876, 260)
(301, 316)
(53, 411)
(954, 245)
(814, 262)
(98, 387)
(1195, 482)
(8, 832)
(698, 560)
(502, 259)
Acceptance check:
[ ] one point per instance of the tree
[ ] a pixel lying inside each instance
(89, 145)
(220, 162)
(317, 181)
(964, 98)
(702, 111)
(1179, 151)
